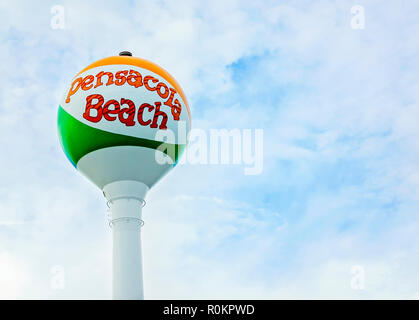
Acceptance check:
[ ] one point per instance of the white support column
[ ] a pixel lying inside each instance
(125, 200)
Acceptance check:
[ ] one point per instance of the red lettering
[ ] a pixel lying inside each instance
(157, 114)
(176, 110)
(72, 89)
(120, 77)
(147, 79)
(135, 79)
(166, 90)
(130, 111)
(99, 78)
(87, 83)
(140, 114)
(107, 112)
(97, 106)
(170, 100)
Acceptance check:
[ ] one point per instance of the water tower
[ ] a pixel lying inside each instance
(123, 123)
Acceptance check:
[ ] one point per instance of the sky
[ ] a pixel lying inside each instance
(334, 211)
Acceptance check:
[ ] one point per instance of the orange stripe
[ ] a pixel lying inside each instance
(142, 63)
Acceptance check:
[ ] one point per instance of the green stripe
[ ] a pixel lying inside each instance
(78, 139)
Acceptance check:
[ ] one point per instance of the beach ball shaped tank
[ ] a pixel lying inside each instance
(123, 118)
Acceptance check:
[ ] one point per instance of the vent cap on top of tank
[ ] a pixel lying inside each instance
(125, 53)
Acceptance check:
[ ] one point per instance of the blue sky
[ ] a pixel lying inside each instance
(339, 110)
